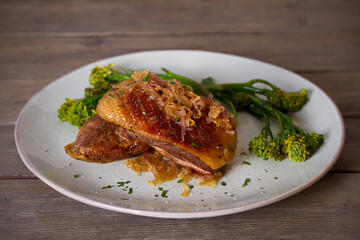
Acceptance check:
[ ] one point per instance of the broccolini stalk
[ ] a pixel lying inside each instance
(197, 87)
(282, 100)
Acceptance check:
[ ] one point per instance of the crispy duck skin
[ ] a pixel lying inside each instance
(135, 106)
(103, 142)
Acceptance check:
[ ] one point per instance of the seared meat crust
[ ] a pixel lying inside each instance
(102, 142)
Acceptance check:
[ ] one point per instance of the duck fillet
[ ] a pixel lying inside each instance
(102, 142)
(192, 131)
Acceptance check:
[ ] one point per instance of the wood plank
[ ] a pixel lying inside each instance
(57, 18)
(327, 210)
(342, 88)
(349, 158)
(318, 52)
(11, 166)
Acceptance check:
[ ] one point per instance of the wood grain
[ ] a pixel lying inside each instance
(342, 88)
(30, 205)
(349, 158)
(161, 17)
(318, 52)
(11, 165)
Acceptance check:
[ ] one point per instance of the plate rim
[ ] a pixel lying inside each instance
(168, 214)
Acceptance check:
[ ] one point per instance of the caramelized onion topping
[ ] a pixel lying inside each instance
(181, 104)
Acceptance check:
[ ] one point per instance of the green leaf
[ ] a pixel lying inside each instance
(246, 182)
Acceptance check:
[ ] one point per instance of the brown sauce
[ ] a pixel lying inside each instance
(165, 170)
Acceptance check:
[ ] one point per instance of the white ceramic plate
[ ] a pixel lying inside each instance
(38, 128)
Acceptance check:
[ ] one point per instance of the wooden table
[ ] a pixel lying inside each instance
(42, 40)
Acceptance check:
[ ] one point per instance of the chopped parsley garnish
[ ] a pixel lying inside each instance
(194, 144)
(76, 176)
(276, 177)
(245, 162)
(266, 170)
(243, 154)
(111, 95)
(130, 191)
(231, 148)
(177, 119)
(246, 182)
(223, 183)
(181, 180)
(163, 194)
(191, 186)
(122, 184)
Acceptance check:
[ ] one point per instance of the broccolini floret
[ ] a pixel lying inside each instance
(265, 145)
(103, 78)
(78, 111)
(291, 140)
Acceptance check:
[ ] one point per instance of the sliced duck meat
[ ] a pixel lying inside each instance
(174, 153)
(102, 142)
(193, 131)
